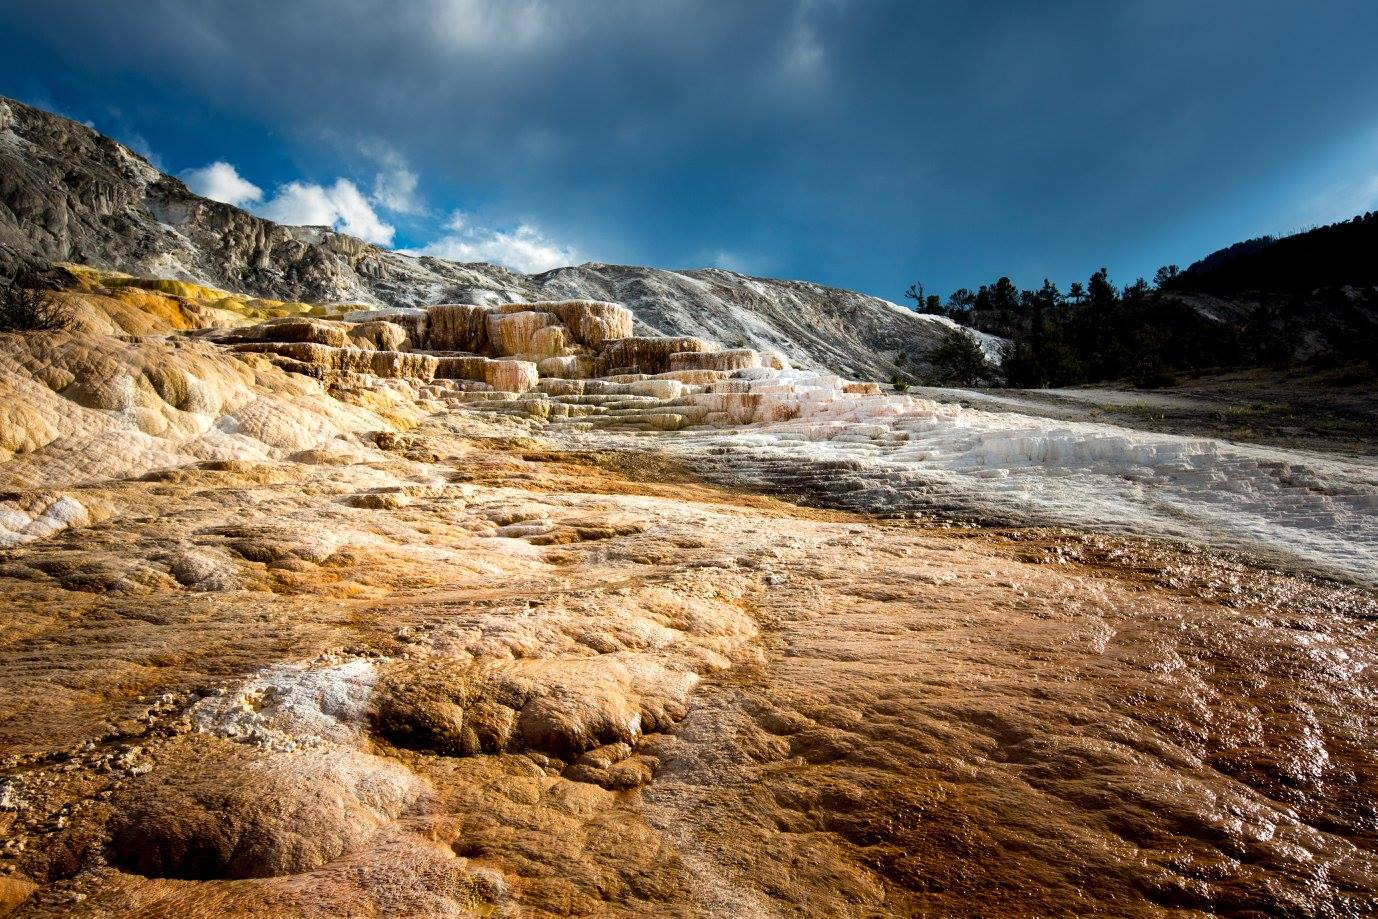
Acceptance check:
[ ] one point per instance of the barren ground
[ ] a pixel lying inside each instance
(278, 647)
(475, 674)
(1334, 410)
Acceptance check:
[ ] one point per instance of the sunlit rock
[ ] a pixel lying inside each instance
(511, 333)
(731, 359)
(647, 355)
(593, 323)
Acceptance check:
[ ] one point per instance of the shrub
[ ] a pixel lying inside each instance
(28, 309)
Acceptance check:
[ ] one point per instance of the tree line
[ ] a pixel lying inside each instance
(1277, 310)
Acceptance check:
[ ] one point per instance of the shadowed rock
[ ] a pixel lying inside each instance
(223, 813)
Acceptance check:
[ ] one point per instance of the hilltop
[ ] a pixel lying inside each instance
(68, 193)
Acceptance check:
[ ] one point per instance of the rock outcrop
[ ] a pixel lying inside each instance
(307, 611)
(69, 194)
(555, 362)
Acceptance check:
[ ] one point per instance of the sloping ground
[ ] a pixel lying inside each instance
(1294, 508)
(120, 393)
(814, 326)
(471, 674)
(600, 696)
(70, 194)
(1331, 411)
(1337, 255)
(428, 657)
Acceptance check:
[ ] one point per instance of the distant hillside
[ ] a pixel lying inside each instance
(67, 193)
(1309, 299)
(1339, 255)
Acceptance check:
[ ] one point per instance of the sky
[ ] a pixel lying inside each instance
(865, 144)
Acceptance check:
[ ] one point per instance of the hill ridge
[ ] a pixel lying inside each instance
(68, 193)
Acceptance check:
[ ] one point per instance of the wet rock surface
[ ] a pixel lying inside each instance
(692, 643)
(717, 704)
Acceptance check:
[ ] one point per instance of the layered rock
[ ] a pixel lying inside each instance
(515, 333)
(69, 194)
(555, 362)
(503, 376)
(648, 355)
(80, 406)
(732, 359)
(454, 327)
(594, 323)
(316, 360)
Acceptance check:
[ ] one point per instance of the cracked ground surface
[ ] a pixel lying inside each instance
(464, 670)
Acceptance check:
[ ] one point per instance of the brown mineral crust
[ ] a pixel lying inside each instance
(274, 646)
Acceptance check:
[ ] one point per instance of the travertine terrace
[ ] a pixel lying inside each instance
(503, 610)
(573, 362)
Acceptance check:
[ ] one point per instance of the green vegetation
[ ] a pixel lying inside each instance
(1307, 299)
(959, 361)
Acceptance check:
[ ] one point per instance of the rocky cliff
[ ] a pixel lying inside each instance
(68, 193)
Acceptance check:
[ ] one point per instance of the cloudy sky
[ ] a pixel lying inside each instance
(863, 143)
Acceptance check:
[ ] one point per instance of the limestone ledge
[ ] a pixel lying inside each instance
(572, 361)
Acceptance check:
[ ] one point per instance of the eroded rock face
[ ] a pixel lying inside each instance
(594, 323)
(69, 194)
(315, 359)
(731, 359)
(562, 349)
(648, 355)
(516, 333)
(455, 327)
(80, 407)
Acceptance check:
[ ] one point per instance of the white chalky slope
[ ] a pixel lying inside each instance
(1310, 510)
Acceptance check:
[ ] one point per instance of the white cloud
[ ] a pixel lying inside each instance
(222, 182)
(524, 249)
(341, 206)
(802, 54)
(396, 190)
(395, 185)
(486, 25)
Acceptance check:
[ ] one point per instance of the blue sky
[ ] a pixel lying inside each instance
(861, 143)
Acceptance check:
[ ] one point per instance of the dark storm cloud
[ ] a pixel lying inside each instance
(861, 143)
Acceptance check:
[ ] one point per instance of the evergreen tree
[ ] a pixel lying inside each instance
(1165, 275)
(960, 305)
(1100, 292)
(915, 293)
(959, 361)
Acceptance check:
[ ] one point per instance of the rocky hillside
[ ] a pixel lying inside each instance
(1337, 255)
(67, 193)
